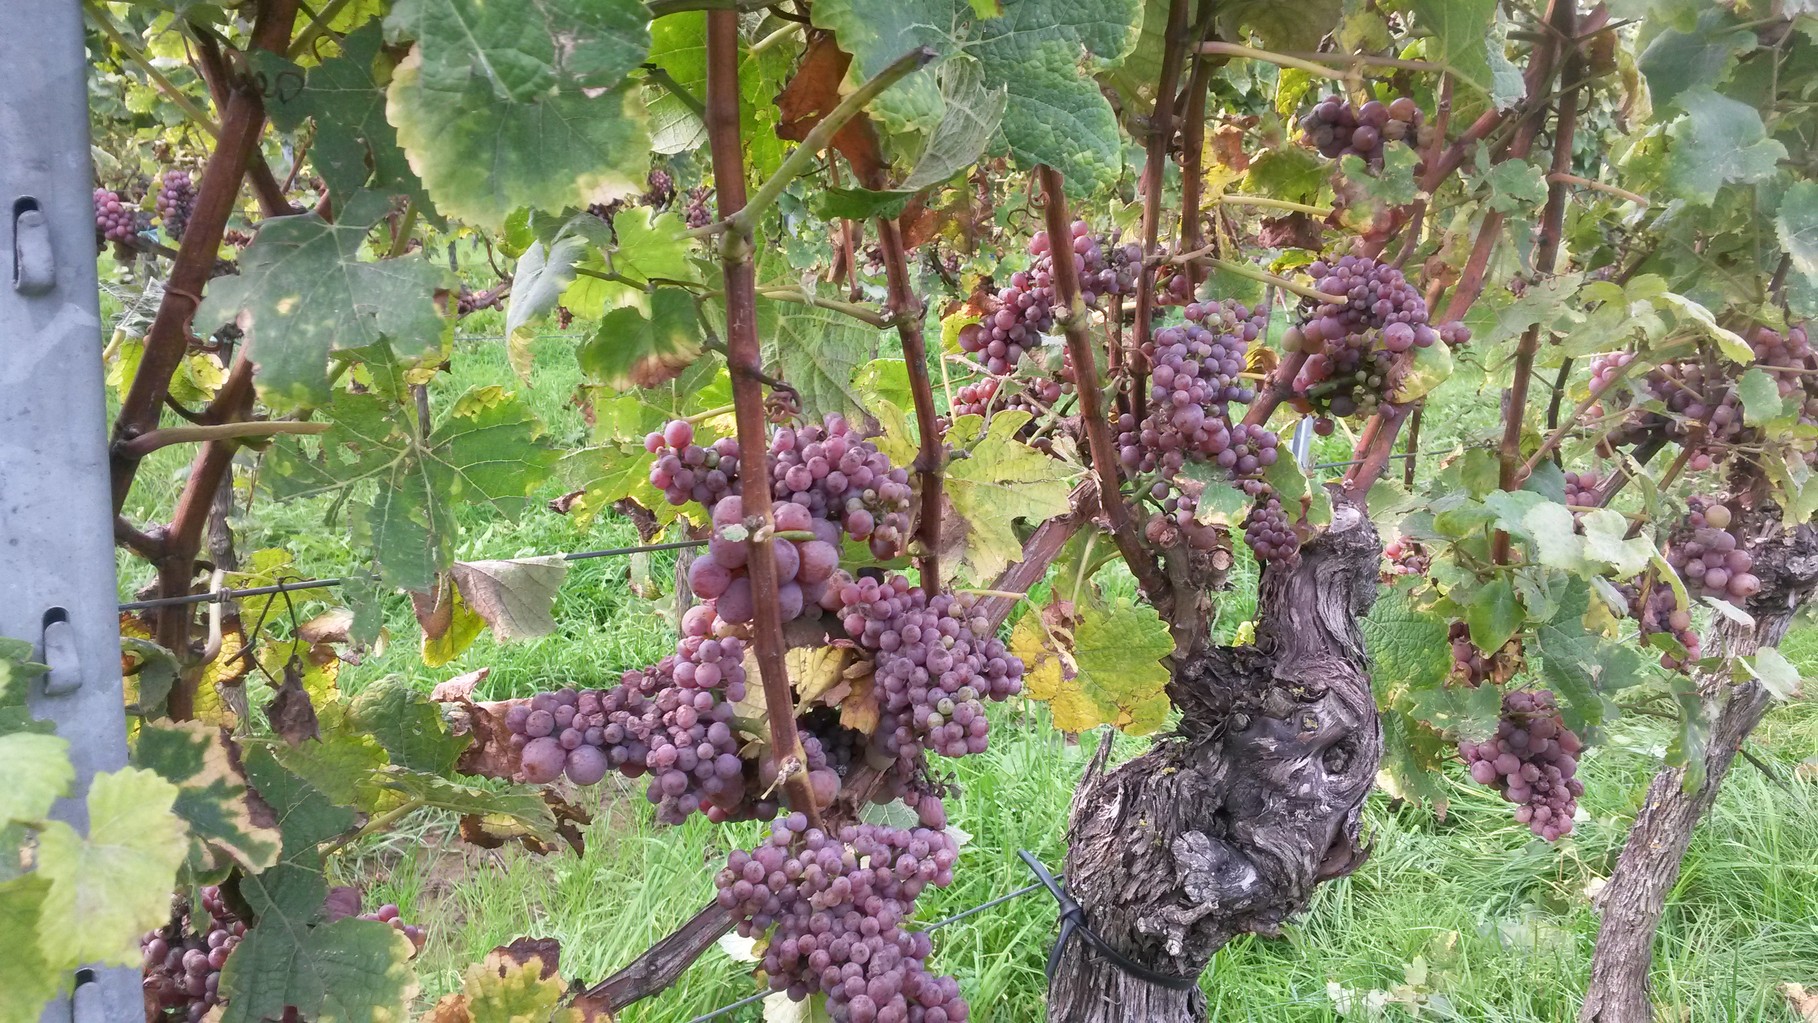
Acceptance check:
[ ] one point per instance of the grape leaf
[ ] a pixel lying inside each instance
(348, 971)
(1034, 52)
(633, 350)
(1458, 712)
(859, 203)
(1000, 481)
(211, 795)
(1461, 32)
(1760, 396)
(522, 810)
(109, 888)
(1297, 26)
(1107, 671)
(1494, 614)
(1427, 368)
(515, 597)
(1797, 225)
(1676, 62)
(37, 771)
(488, 449)
(1730, 343)
(28, 978)
(303, 293)
(499, 990)
(1556, 539)
(354, 147)
(972, 113)
(508, 105)
(819, 352)
(1408, 646)
(678, 45)
(408, 725)
(1581, 664)
(1775, 673)
(1607, 540)
(1413, 760)
(540, 278)
(1719, 141)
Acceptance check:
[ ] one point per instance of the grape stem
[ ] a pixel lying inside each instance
(662, 78)
(318, 27)
(1193, 142)
(1073, 318)
(1265, 202)
(1252, 273)
(744, 221)
(1223, 49)
(1546, 258)
(146, 443)
(744, 360)
(1560, 177)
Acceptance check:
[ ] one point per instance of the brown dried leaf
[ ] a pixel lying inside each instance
(1294, 231)
(1804, 1005)
(460, 688)
(435, 610)
(813, 93)
(490, 754)
(330, 627)
(291, 714)
(546, 952)
(859, 711)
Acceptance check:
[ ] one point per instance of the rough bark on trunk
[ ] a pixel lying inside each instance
(1224, 826)
(1636, 895)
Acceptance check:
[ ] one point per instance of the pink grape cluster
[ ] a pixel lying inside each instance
(935, 662)
(1709, 557)
(389, 915)
(1357, 338)
(1194, 380)
(176, 201)
(837, 474)
(1269, 532)
(1178, 518)
(1403, 556)
(835, 909)
(1659, 613)
(1036, 395)
(1581, 488)
(1533, 761)
(1690, 403)
(115, 221)
(803, 567)
(1337, 128)
(1024, 310)
(1469, 664)
(183, 960)
(685, 471)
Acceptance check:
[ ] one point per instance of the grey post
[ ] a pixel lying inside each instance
(57, 586)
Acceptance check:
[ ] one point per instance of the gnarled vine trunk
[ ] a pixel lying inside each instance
(1225, 825)
(1635, 897)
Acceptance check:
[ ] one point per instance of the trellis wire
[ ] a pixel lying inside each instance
(322, 584)
(935, 926)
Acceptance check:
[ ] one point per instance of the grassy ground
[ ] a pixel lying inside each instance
(1465, 917)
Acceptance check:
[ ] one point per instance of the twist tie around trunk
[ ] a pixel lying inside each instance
(1073, 921)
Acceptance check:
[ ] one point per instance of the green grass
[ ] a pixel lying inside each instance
(1494, 925)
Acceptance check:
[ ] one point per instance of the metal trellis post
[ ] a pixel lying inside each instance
(57, 587)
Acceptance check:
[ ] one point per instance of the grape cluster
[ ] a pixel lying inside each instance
(1036, 395)
(183, 960)
(934, 662)
(685, 471)
(1017, 317)
(1788, 357)
(1658, 612)
(388, 915)
(836, 474)
(1708, 556)
(1581, 488)
(1336, 127)
(1469, 664)
(1194, 380)
(802, 566)
(1358, 337)
(659, 192)
(1533, 760)
(176, 201)
(115, 221)
(696, 213)
(1403, 557)
(835, 909)
(1178, 517)
(1269, 532)
(1701, 408)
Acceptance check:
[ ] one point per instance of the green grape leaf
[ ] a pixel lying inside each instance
(859, 203)
(1515, 186)
(538, 281)
(1606, 541)
(354, 147)
(1719, 141)
(1494, 614)
(37, 771)
(1293, 173)
(306, 817)
(972, 113)
(633, 350)
(1408, 646)
(1110, 673)
(1460, 712)
(303, 293)
(1730, 343)
(678, 45)
(1556, 540)
(1465, 37)
(1292, 486)
(1796, 223)
(1414, 759)
(1775, 673)
(1220, 503)
(1297, 26)
(1760, 396)
(515, 598)
(1676, 62)
(348, 971)
(1040, 53)
(652, 246)
(1692, 734)
(522, 810)
(211, 795)
(409, 725)
(344, 764)
(888, 380)
(1000, 481)
(109, 888)
(28, 978)
(488, 449)
(1580, 664)
(819, 352)
(505, 105)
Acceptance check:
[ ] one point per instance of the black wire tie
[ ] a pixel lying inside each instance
(1073, 921)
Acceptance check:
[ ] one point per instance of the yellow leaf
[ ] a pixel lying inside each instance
(1000, 481)
(463, 628)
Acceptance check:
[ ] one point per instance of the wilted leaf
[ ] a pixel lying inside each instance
(516, 598)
